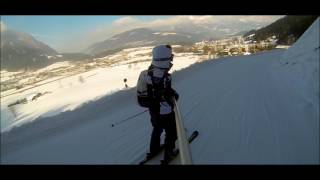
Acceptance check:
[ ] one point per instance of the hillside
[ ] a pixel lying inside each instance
(287, 29)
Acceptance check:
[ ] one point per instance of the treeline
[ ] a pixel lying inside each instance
(287, 29)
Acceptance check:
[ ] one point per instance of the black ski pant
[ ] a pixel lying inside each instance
(163, 122)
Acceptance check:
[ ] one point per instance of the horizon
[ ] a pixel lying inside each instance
(76, 33)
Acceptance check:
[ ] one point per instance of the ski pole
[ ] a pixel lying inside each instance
(131, 117)
(185, 154)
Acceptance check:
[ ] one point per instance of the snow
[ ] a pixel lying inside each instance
(282, 47)
(23, 80)
(138, 49)
(55, 65)
(141, 52)
(30, 97)
(301, 65)
(98, 83)
(164, 33)
(129, 53)
(115, 56)
(6, 75)
(248, 109)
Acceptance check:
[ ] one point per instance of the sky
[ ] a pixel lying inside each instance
(55, 30)
(76, 33)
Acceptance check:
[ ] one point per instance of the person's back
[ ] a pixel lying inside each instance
(160, 94)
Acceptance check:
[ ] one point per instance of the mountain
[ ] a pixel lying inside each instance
(20, 50)
(263, 112)
(185, 30)
(217, 30)
(287, 29)
(139, 37)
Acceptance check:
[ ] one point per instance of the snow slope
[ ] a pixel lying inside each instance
(248, 109)
(68, 93)
(301, 64)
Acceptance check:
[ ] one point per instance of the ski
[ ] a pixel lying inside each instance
(148, 158)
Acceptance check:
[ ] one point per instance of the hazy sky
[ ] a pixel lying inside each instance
(75, 33)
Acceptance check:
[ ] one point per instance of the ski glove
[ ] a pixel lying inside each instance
(176, 95)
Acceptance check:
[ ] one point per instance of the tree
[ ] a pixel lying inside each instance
(178, 49)
(194, 50)
(283, 28)
(212, 51)
(205, 49)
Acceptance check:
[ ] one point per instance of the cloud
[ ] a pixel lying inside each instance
(82, 40)
(2, 26)
(125, 21)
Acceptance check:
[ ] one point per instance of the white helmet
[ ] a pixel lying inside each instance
(162, 56)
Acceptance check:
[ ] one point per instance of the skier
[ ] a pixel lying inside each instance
(125, 83)
(160, 95)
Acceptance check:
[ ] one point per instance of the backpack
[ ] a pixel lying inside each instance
(142, 90)
(142, 87)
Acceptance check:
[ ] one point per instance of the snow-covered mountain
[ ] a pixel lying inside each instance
(20, 50)
(257, 109)
(219, 30)
(287, 29)
(183, 30)
(139, 37)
